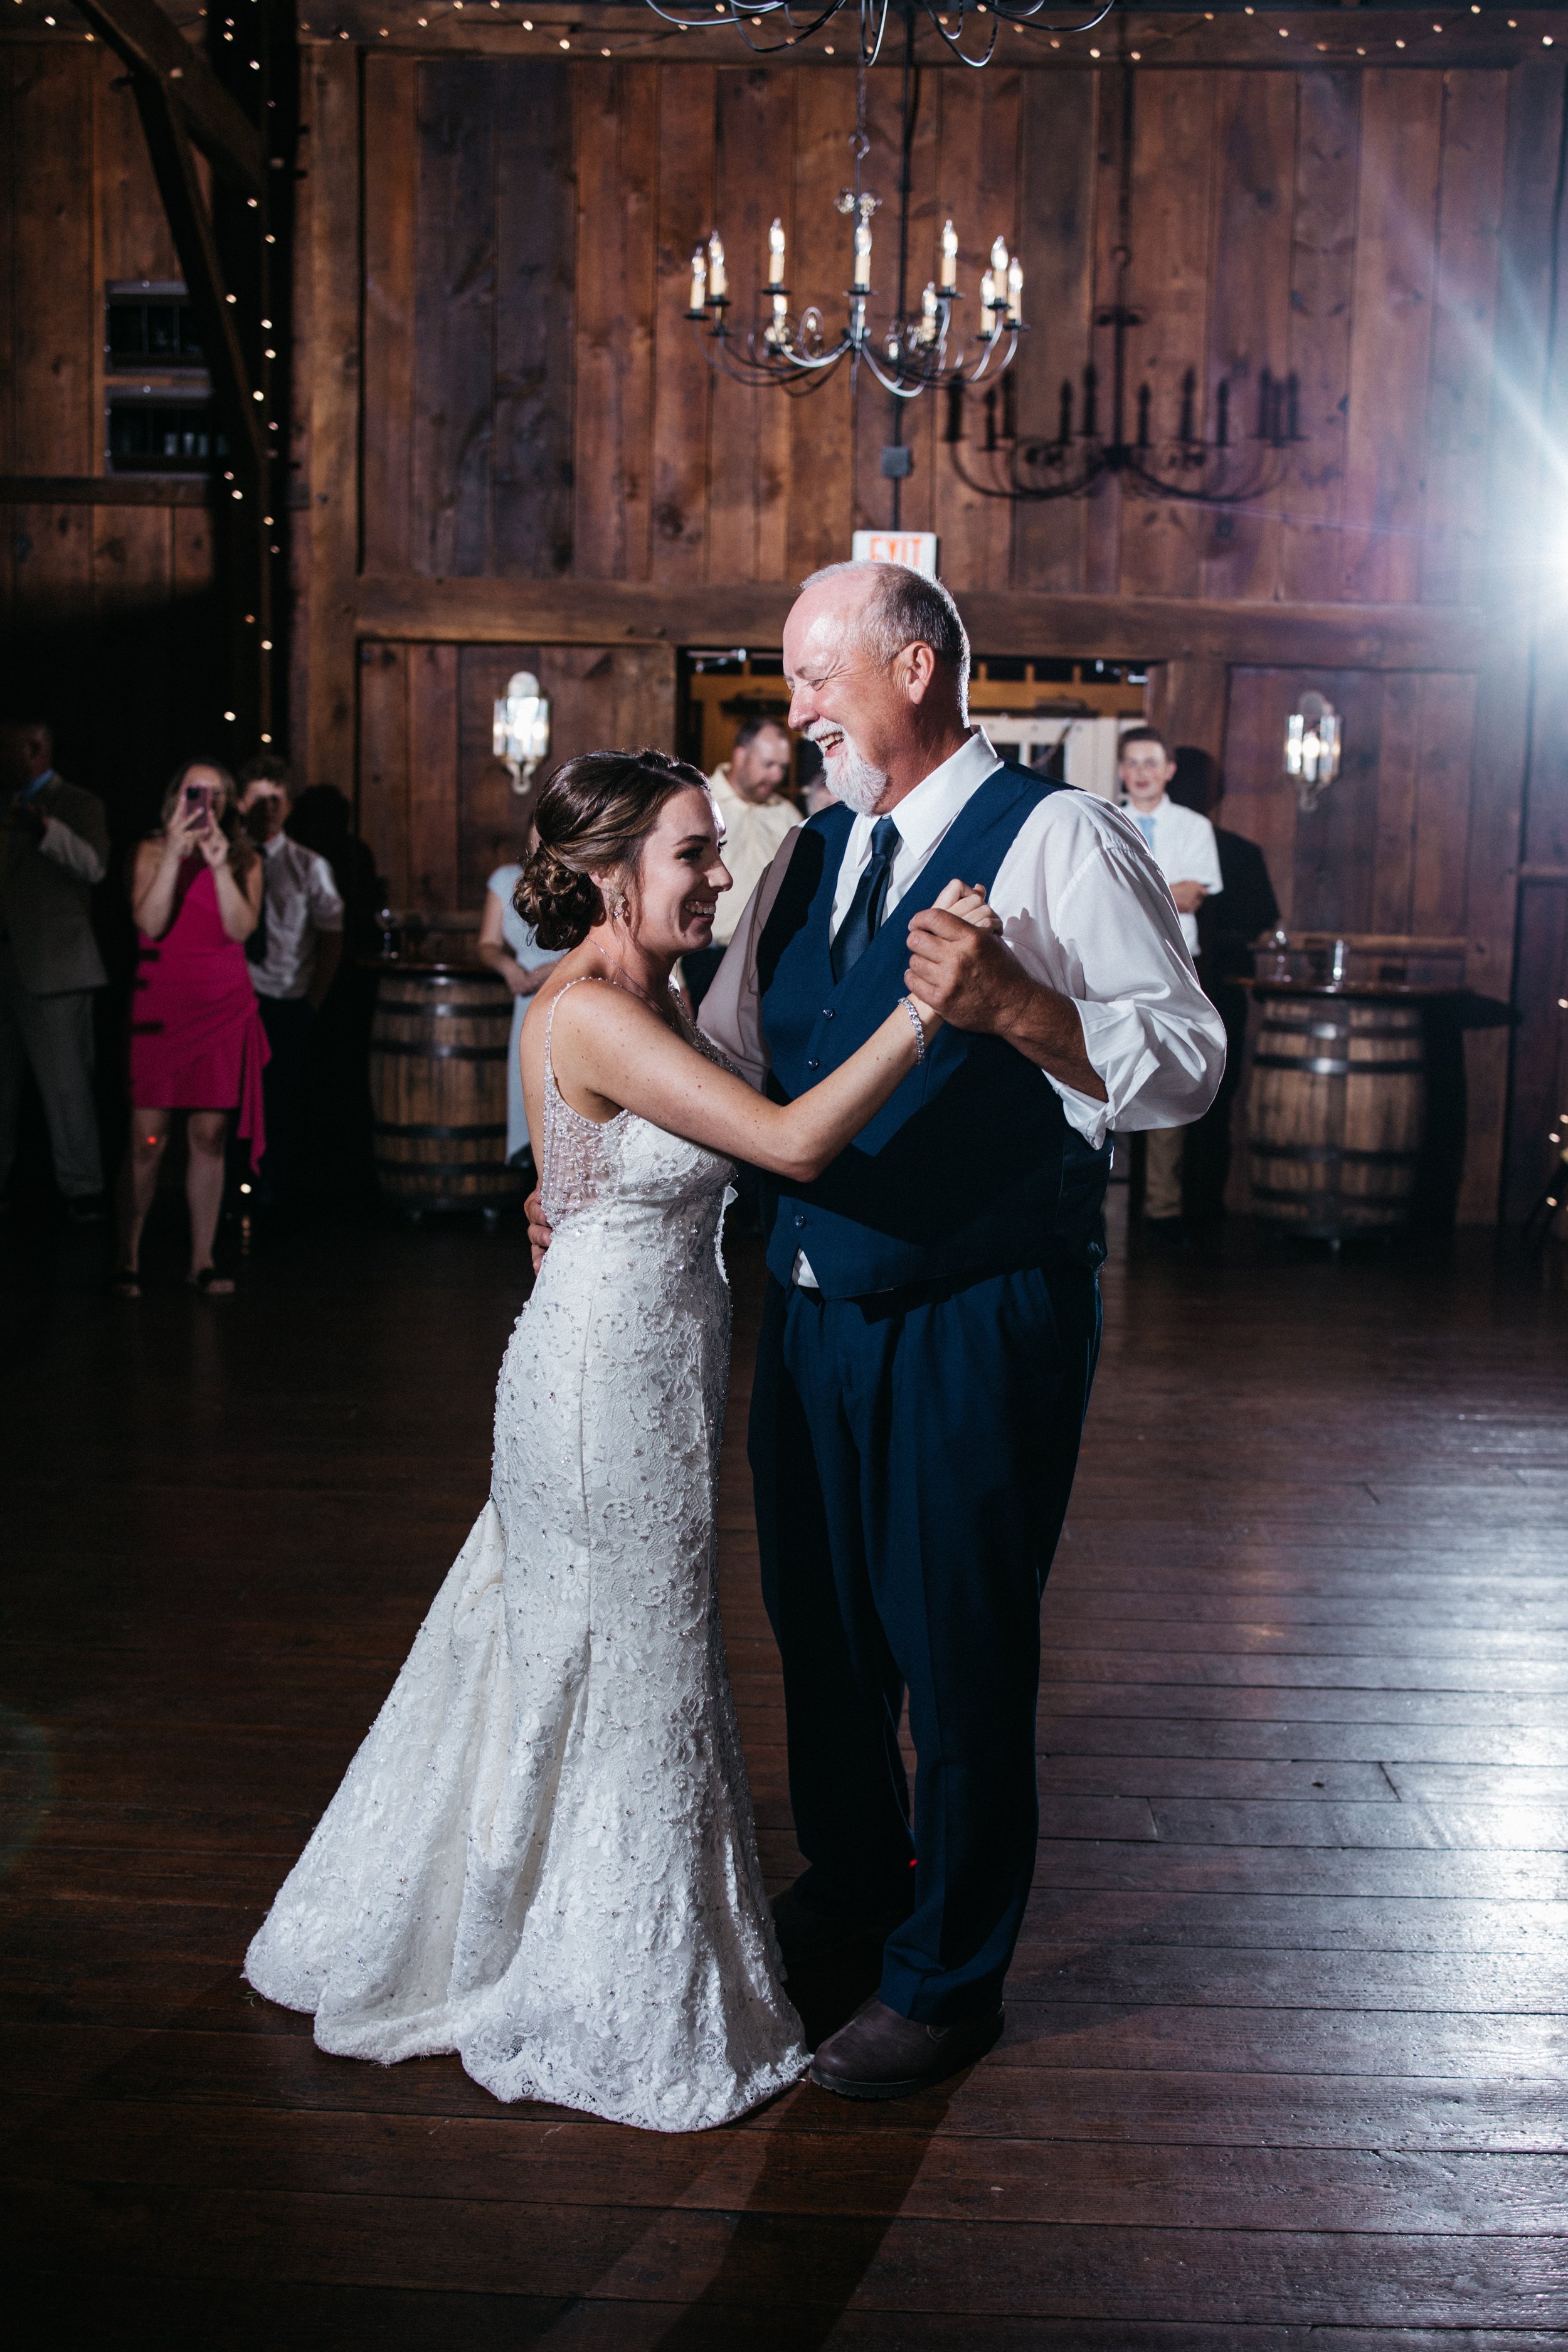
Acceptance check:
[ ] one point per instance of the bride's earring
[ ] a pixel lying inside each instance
(620, 910)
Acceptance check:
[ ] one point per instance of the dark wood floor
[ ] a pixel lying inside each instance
(1285, 2046)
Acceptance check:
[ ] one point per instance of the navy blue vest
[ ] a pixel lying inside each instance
(971, 1167)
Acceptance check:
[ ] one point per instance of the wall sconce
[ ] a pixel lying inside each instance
(521, 735)
(1313, 749)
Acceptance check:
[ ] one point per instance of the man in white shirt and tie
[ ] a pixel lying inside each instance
(1182, 845)
(932, 1318)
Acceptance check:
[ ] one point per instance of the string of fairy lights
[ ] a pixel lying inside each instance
(578, 35)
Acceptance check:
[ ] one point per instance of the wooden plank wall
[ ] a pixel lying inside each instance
(534, 403)
(106, 610)
(435, 804)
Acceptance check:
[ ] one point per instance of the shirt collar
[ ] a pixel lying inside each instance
(924, 815)
(1159, 809)
(30, 791)
(725, 793)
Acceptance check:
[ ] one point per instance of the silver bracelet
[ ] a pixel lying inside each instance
(909, 1004)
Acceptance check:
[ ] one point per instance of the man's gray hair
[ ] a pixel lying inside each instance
(906, 608)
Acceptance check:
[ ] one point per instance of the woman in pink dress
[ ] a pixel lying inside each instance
(197, 1040)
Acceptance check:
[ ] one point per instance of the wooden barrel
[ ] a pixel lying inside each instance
(438, 1049)
(1337, 1113)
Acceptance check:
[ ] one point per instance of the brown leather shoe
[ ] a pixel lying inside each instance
(881, 2055)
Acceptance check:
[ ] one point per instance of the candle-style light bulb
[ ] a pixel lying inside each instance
(776, 254)
(949, 257)
(862, 255)
(698, 279)
(929, 315)
(988, 301)
(1014, 292)
(999, 260)
(716, 279)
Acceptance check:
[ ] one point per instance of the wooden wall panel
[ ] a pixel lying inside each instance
(1385, 848)
(683, 386)
(617, 151)
(381, 807)
(535, 202)
(1323, 278)
(1541, 1055)
(391, 336)
(1056, 246)
(455, 132)
(822, 425)
(748, 443)
(979, 169)
(57, 322)
(433, 773)
(1169, 285)
(1385, 507)
(435, 805)
(1470, 193)
(1249, 322)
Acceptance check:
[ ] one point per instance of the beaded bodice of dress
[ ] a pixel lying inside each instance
(589, 1164)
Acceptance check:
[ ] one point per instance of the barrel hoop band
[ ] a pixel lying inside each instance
(1393, 1206)
(1324, 1065)
(394, 1045)
(1329, 1151)
(411, 1008)
(439, 1134)
(422, 1169)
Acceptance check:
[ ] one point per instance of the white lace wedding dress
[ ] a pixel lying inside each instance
(543, 1857)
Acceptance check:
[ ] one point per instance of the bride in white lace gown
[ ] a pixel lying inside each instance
(543, 1857)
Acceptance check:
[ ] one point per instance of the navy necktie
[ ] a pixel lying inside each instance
(858, 928)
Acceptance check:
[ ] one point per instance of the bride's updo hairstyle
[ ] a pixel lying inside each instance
(593, 817)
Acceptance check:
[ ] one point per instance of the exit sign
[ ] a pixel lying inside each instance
(917, 548)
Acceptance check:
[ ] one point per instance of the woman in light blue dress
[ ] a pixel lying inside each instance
(508, 945)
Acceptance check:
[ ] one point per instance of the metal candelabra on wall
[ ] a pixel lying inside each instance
(1188, 462)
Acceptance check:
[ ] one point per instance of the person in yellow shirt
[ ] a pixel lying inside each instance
(755, 816)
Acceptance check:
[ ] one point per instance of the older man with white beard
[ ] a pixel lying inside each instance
(932, 1317)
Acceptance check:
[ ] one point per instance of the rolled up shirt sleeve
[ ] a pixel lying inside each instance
(1087, 911)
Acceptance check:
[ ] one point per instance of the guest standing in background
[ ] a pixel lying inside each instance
(756, 817)
(53, 849)
(293, 954)
(508, 945)
(1228, 927)
(337, 1099)
(197, 1040)
(1182, 845)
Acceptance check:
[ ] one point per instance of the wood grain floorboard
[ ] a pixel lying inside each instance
(1284, 2060)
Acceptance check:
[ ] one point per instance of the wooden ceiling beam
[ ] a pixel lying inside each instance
(411, 607)
(152, 44)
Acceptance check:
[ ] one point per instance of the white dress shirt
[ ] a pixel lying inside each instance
(1182, 845)
(1084, 909)
(752, 833)
(301, 900)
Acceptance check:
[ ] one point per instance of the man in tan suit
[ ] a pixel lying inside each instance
(54, 845)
